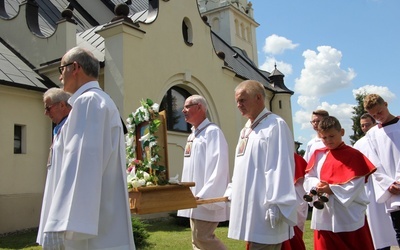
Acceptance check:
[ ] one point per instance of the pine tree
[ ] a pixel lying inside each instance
(358, 112)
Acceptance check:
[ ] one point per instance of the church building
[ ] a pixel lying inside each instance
(164, 50)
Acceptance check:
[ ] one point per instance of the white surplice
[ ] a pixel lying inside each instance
(302, 205)
(384, 153)
(345, 210)
(312, 145)
(86, 192)
(208, 167)
(263, 178)
(379, 222)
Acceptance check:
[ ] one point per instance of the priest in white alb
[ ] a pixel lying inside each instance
(263, 198)
(85, 203)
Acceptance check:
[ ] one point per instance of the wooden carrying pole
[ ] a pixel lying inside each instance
(212, 200)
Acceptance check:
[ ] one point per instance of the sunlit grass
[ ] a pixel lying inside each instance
(165, 234)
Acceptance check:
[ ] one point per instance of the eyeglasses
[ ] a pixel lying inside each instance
(314, 122)
(60, 69)
(48, 108)
(190, 105)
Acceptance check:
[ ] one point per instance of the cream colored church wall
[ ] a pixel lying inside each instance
(281, 105)
(146, 68)
(139, 63)
(22, 176)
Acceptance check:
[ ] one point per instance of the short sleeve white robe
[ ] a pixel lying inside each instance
(384, 153)
(85, 193)
(379, 222)
(208, 167)
(263, 177)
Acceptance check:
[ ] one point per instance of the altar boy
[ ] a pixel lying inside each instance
(339, 172)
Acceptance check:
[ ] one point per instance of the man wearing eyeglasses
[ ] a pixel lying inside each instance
(205, 163)
(316, 142)
(85, 204)
(56, 107)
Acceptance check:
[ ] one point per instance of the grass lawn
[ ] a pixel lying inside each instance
(164, 235)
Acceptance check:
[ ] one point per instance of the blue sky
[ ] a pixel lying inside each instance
(328, 52)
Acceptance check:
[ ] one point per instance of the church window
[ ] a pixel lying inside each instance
(173, 103)
(215, 25)
(248, 34)
(187, 31)
(237, 27)
(242, 31)
(19, 139)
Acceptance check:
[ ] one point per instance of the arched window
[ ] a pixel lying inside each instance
(242, 31)
(173, 102)
(187, 31)
(248, 32)
(215, 25)
(237, 27)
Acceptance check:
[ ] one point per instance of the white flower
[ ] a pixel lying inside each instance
(129, 178)
(128, 140)
(129, 120)
(149, 183)
(136, 183)
(133, 172)
(146, 176)
(142, 182)
(142, 113)
(155, 107)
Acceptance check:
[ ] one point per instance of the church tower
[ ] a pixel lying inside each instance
(234, 22)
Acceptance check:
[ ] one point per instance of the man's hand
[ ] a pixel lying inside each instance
(323, 187)
(273, 215)
(394, 188)
(53, 241)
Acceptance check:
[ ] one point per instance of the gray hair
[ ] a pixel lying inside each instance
(56, 95)
(85, 59)
(252, 87)
(198, 99)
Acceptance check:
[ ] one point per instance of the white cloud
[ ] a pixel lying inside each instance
(322, 73)
(384, 92)
(343, 112)
(269, 65)
(303, 118)
(275, 44)
(308, 102)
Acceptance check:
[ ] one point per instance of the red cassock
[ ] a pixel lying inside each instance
(296, 242)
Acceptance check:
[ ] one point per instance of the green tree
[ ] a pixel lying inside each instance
(358, 112)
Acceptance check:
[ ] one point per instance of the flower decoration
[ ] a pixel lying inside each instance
(144, 170)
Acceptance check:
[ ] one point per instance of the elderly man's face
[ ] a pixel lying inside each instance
(67, 77)
(247, 104)
(191, 111)
(52, 110)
